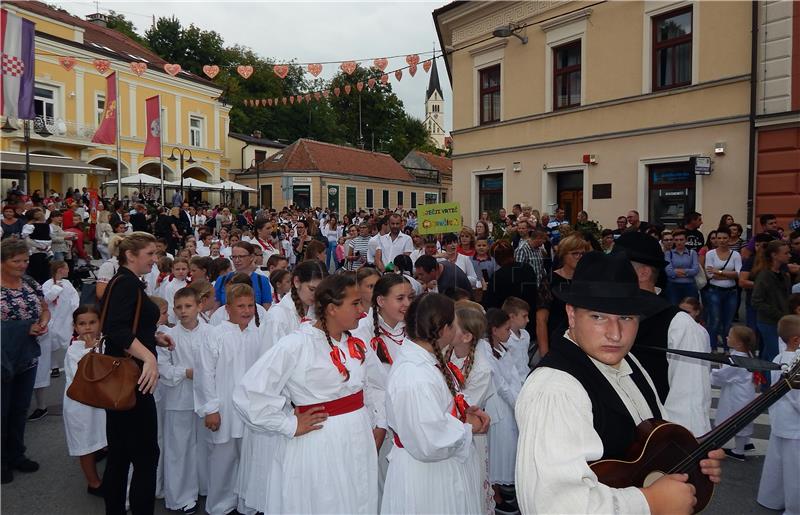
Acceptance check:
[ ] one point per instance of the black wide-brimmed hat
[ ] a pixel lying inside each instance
(641, 248)
(607, 283)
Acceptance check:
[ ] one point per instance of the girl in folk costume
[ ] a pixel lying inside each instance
(84, 426)
(431, 467)
(230, 350)
(321, 369)
(281, 281)
(208, 304)
(474, 375)
(264, 239)
(164, 270)
(503, 433)
(737, 387)
(62, 299)
(179, 278)
(366, 277)
(263, 451)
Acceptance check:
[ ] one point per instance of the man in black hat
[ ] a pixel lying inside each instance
(683, 384)
(586, 398)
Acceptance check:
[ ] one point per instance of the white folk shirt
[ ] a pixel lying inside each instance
(390, 248)
(784, 415)
(225, 357)
(168, 289)
(557, 441)
(372, 247)
(518, 346)
(282, 319)
(479, 387)
(689, 399)
(736, 391)
(297, 370)
(177, 389)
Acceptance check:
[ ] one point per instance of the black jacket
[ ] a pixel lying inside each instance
(517, 280)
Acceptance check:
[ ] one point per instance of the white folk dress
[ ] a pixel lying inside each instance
(330, 470)
(434, 470)
(62, 299)
(84, 426)
(168, 289)
(518, 346)
(736, 391)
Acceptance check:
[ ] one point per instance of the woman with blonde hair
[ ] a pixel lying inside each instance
(466, 242)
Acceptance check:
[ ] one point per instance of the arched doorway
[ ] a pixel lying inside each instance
(96, 181)
(153, 169)
(196, 196)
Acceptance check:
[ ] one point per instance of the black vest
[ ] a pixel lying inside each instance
(610, 417)
(41, 231)
(653, 331)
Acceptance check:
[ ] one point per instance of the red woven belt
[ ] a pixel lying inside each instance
(338, 406)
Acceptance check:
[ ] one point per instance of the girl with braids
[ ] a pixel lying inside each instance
(322, 370)
(431, 467)
(262, 451)
(503, 432)
(474, 375)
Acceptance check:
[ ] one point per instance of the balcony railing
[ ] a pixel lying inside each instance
(60, 128)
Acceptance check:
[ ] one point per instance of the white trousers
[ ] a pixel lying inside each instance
(223, 463)
(780, 477)
(181, 485)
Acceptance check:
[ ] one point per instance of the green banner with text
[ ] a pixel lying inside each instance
(439, 218)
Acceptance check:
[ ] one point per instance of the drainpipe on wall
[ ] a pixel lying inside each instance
(751, 170)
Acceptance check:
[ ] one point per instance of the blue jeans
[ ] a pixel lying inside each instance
(330, 255)
(769, 337)
(720, 309)
(676, 292)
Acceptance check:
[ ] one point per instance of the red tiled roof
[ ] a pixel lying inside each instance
(443, 164)
(306, 155)
(116, 44)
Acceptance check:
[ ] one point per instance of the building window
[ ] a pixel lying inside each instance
(385, 199)
(672, 49)
(195, 131)
(413, 200)
(431, 198)
(100, 107)
(490, 94)
(435, 108)
(567, 75)
(399, 198)
(369, 198)
(44, 102)
(490, 192)
(260, 155)
(351, 199)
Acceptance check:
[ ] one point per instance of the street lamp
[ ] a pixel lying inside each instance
(26, 137)
(506, 31)
(258, 180)
(181, 152)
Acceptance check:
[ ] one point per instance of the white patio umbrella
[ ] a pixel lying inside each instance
(137, 179)
(231, 186)
(193, 184)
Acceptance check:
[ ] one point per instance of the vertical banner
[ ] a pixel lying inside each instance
(107, 132)
(152, 148)
(17, 49)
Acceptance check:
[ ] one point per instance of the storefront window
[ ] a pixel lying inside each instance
(672, 192)
(490, 192)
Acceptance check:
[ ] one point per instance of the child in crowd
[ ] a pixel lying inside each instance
(84, 426)
(339, 253)
(367, 276)
(737, 387)
(483, 262)
(221, 266)
(431, 468)
(281, 280)
(778, 489)
(519, 341)
(225, 356)
(62, 299)
(692, 306)
(220, 314)
(205, 292)
(174, 282)
(185, 449)
(794, 309)
(158, 396)
(474, 375)
(164, 271)
(200, 268)
(503, 432)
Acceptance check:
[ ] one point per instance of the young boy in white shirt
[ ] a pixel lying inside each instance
(182, 428)
(520, 340)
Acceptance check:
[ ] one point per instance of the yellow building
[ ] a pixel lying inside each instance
(604, 107)
(70, 104)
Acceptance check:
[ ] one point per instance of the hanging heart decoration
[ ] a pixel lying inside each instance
(172, 69)
(325, 93)
(412, 60)
(336, 91)
(371, 83)
(275, 101)
(384, 79)
(381, 63)
(314, 69)
(308, 97)
(291, 99)
(68, 63)
(245, 102)
(281, 70)
(244, 70)
(349, 67)
(359, 85)
(347, 89)
(412, 69)
(398, 75)
(138, 68)
(427, 65)
(299, 99)
(211, 70)
(317, 95)
(284, 99)
(269, 102)
(102, 65)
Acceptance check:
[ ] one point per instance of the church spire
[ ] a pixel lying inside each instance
(433, 83)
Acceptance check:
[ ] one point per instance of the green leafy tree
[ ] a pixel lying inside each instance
(118, 22)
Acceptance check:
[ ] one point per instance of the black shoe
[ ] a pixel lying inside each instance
(734, 456)
(55, 373)
(7, 476)
(189, 510)
(27, 466)
(37, 414)
(97, 491)
(100, 455)
(505, 507)
(749, 447)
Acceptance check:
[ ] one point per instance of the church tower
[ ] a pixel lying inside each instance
(434, 108)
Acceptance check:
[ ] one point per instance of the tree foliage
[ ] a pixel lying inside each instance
(118, 22)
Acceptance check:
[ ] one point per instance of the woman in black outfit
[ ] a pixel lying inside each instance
(511, 279)
(167, 227)
(132, 435)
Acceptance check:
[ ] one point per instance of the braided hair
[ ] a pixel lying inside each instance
(425, 319)
(382, 289)
(305, 272)
(332, 290)
(495, 318)
(472, 321)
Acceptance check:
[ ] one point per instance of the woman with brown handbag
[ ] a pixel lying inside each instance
(132, 434)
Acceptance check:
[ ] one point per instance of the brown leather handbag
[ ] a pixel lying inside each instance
(107, 382)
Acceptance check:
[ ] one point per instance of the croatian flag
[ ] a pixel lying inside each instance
(18, 66)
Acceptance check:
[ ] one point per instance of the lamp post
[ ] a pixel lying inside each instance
(181, 152)
(26, 137)
(258, 180)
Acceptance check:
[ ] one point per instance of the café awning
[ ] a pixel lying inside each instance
(15, 161)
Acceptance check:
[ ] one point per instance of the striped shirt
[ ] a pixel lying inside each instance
(358, 244)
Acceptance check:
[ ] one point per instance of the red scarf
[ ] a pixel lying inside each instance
(336, 357)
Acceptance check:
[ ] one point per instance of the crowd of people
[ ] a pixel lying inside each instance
(383, 369)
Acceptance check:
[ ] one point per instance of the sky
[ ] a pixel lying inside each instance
(309, 32)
